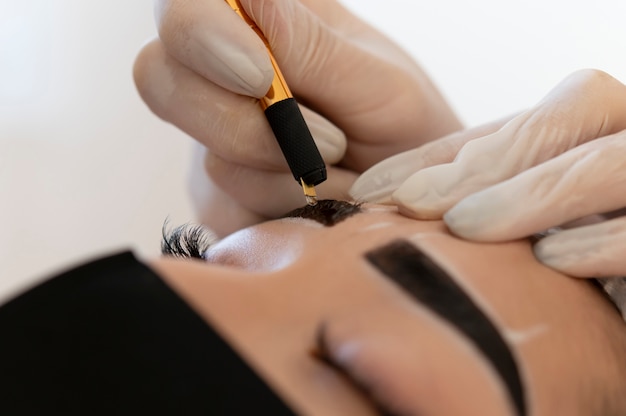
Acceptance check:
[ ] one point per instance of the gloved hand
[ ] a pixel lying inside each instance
(364, 99)
(563, 160)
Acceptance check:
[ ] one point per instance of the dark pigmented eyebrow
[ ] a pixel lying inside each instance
(433, 288)
(327, 212)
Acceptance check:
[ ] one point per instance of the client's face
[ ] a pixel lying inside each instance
(381, 311)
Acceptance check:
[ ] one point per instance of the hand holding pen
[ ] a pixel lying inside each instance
(362, 97)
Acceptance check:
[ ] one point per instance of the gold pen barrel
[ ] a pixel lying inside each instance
(278, 90)
(288, 124)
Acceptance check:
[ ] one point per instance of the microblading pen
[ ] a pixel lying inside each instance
(287, 123)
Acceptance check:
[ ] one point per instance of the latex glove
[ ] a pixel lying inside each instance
(365, 99)
(563, 160)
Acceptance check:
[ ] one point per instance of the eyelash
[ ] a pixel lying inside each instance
(320, 350)
(186, 241)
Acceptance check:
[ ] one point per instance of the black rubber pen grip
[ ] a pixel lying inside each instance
(296, 142)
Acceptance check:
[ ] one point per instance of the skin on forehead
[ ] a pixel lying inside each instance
(285, 277)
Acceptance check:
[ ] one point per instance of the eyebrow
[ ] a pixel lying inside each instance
(433, 288)
(327, 212)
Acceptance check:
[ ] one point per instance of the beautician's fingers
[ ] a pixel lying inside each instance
(587, 105)
(365, 97)
(357, 78)
(583, 181)
(591, 251)
(206, 36)
(332, 61)
(235, 129)
(210, 39)
(271, 193)
(233, 126)
(378, 183)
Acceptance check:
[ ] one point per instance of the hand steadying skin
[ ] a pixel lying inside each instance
(363, 98)
(561, 161)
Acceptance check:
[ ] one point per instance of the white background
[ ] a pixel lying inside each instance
(85, 168)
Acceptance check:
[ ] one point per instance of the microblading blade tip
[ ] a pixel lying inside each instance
(309, 193)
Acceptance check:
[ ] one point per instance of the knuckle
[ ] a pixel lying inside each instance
(173, 19)
(591, 79)
(248, 141)
(146, 69)
(142, 66)
(475, 148)
(224, 174)
(438, 151)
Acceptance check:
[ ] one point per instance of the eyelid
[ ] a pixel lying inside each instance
(222, 259)
(257, 249)
(322, 352)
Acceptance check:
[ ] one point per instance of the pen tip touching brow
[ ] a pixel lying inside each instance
(309, 193)
(327, 212)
